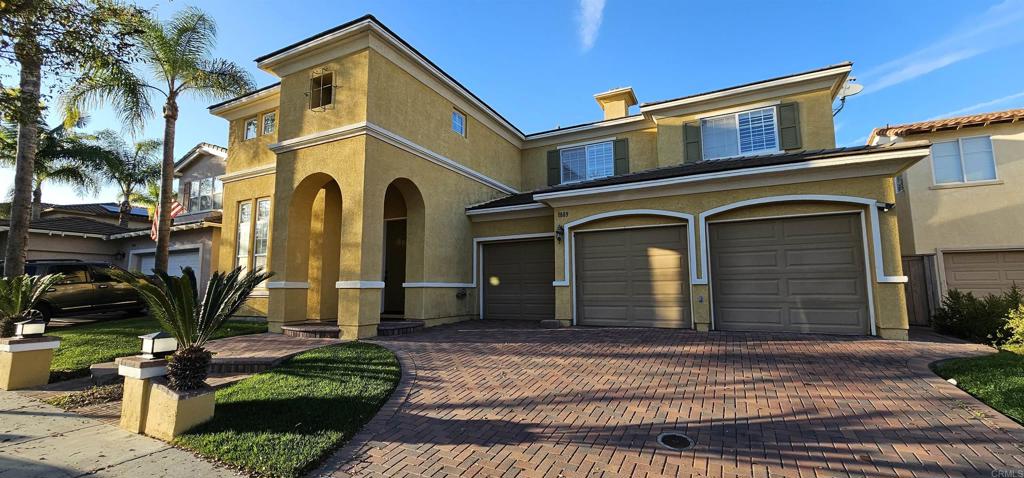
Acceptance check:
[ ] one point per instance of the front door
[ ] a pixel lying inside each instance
(394, 267)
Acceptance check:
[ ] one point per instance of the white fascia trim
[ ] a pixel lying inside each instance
(30, 346)
(141, 373)
(587, 127)
(871, 204)
(438, 285)
(585, 143)
(370, 129)
(59, 233)
(401, 47)
(817, 163)
(287, 285)
(246, 99)
(844, 69)
(496, 210)
(690, 239)
(359, 284)
(247, 173)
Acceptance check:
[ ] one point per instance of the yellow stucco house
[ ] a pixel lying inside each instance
(374, 185)
(961, 210)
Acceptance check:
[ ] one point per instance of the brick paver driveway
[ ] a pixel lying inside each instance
(493, 399)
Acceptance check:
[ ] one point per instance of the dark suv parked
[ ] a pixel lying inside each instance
(86, 288)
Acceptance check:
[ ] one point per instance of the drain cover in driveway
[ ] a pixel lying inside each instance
(675, 441)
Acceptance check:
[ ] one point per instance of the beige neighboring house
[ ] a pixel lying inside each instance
(961, 210)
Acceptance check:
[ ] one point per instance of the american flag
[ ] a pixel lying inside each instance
(176, 209)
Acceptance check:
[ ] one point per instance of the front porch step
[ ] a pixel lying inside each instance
(311, 330)
(398, 327)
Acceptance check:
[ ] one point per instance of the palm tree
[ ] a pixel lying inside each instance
(62, 157)
(148, 197)
(129, 167)
(175, 303)
(178, 55)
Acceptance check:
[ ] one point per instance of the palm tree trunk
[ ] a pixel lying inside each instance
(37, 201)
(30, 59)
(163, 237)
(122, 217)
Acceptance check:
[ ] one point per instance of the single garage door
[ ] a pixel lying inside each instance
(983, 273)
(517, 280)
(176, 260)
(802, 274)
(633, 278)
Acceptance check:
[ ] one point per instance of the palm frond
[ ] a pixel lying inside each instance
(219, 78)
(19, 294)
(192, 34)
(113, 84)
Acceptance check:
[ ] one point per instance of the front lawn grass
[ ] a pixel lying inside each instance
(997, 379)
(84, 345)
(283, 422)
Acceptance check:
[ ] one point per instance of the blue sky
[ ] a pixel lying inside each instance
(539, 63)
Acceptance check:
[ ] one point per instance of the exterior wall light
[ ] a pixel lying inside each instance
(158, 344)
(560, 232)
(30, 328)
(885, 206)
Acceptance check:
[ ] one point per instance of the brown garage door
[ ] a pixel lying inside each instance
(633, 278)
(983, 273)
(517, 280)
(801, 274)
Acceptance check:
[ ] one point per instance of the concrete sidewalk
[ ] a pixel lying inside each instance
(38, 440)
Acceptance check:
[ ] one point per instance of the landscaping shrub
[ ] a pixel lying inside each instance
(1015, 326)
(976, 319)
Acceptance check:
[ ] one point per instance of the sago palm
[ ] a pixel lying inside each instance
(175, 303)
(130, 167)
(18, 296)
(177, 55)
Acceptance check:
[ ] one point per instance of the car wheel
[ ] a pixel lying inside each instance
(41, 311)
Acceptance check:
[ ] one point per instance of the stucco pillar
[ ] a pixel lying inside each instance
(361, 285)
(700, 307)
(890, 298)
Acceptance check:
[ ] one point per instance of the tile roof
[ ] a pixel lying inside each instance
(981, 119)
(98, 209)
(700, 167)
(77, 225)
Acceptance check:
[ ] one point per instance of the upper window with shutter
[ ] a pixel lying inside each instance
(591, 161)
(739, 134)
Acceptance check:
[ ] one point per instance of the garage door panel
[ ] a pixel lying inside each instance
(633, 277)
(984, 272)
(517, 280)
(819, 286)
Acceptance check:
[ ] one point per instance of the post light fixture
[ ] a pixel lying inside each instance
(35, 327)
(158, 344)
(560, 232)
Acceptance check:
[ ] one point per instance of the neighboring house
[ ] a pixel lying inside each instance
(373, 185)
(961, 211)
(90, 231)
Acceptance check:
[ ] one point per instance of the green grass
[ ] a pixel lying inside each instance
(84, 345)
(282, 422)
(997, 379)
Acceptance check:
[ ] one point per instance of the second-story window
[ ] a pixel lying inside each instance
(321, 90)
(739, 134)
(459, 122)
(963, 160)
(269, 121)
(251, 130)
(591, 161)
(205, 195)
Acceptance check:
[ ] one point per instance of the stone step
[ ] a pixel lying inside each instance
(311, 331)
(398, 327)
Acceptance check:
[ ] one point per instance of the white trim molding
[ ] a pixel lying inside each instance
(248, 173)
(394, 139)
(359, 284)
(870, 204)
(29, 346)
(287, 285)
(438, 285)
(141, 373)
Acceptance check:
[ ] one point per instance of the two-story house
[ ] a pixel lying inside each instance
(960, 211)
(373, 184)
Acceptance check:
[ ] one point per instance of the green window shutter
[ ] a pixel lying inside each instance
(554, 168)
(621, 147)
(691, 143)
(789, 126)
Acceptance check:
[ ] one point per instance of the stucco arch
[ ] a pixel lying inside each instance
(403, 194)
(313, 244)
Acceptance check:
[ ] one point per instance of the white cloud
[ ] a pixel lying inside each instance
(590, 16)
(977, 107)
(996, 27)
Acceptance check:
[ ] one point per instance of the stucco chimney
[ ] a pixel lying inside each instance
(616, 103)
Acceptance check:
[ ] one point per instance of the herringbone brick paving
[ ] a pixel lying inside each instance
(509, 399)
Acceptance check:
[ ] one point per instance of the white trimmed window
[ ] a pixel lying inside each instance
(205, 195)
(250, 129)
(591, 161)
(739, 134)
(269, 120)
(262, 234)
(963, 160)
(459, 122)
(243, 234)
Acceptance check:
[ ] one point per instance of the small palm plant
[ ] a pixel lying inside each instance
(175, 303)
(18, 296)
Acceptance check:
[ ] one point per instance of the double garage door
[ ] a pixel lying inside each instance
(804, 274)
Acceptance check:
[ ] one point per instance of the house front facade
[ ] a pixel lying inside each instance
(961, 210)
(375, 186)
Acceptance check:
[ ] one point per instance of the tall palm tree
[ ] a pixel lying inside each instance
(63, 157)
(149, 197)
(178, 56)
(130, 167)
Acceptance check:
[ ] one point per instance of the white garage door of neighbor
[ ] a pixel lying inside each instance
(175, 262)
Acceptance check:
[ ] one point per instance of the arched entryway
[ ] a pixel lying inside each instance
(313, 248)
(404, 221)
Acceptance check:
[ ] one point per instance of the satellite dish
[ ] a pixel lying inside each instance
(850, 89)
